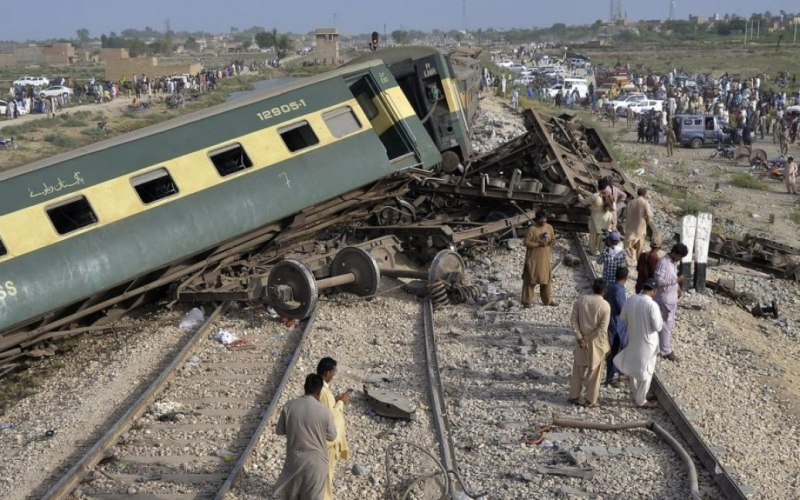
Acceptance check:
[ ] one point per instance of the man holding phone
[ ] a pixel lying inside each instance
(337, 449)
(538, 255)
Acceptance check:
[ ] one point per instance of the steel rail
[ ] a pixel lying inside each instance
(72, 478)
(729, 487)
(244, 458)
(446, 447)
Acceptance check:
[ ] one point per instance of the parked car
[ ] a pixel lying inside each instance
(36, 81)
(696, 131)
(569, 85)
(55, 91)
(4, 105)
(517, 68)
(625, 99)
(505, 63)
(523, 80)
(640, 107)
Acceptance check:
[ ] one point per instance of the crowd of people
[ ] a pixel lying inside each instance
(618, 338)
(25, 99)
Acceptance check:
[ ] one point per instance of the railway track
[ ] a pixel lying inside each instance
(215, 402)
(724, 481)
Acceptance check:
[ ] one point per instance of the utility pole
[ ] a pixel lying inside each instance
(464, 16)
(672, 10)
(745, 33)
(335, 15)
(795, 34)
(758, 29)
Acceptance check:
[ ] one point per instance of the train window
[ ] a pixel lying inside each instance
(71, 215)
(341, 121)
(298, 136)
(230, 159)
(154, 186)
(3, 249)
(365, 101)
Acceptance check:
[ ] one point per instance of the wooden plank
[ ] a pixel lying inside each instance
(170, 478)
(231, 400)
(239, 364)
(162, 426)
(168, 460)
(249, 412)
(225, 443)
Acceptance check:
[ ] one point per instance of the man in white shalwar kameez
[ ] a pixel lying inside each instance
(308, 426)
(638, 358)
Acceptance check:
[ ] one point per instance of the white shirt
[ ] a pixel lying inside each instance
(643, 317)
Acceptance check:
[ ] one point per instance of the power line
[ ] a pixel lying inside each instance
(672, 10)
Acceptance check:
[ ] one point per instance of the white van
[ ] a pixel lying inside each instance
(570, 85)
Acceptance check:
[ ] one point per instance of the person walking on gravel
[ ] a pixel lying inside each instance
(790, 175)
(308, 426)
(612, 257)
(337, 450)
(638, 359)
(639, 217)
(669, 291)
(646, 265)
(538, 266)
(590, 317)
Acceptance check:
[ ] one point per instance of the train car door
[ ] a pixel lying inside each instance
(385, 119)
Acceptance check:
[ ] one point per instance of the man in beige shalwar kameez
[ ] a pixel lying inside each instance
(538, 253)
(308, 426)
(600, 219)
(639, 217)
(590, 317)
(337, 449)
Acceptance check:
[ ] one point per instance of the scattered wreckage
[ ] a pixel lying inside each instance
(762, 254)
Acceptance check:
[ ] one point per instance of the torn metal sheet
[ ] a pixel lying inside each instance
(389, 404)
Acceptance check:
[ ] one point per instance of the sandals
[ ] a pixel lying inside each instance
(576, 401)
(650, 405)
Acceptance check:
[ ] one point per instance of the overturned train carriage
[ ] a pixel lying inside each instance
(445, 100)
(85, 230)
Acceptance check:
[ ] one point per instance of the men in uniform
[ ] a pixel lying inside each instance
(669, 291)
(639, 216)
(308, 426)
(670, 136)
(638, 358)
(790, 175)
(590, 317)
(538, 253)
(337, 449)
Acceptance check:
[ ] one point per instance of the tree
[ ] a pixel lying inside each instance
(191, 44)
(280, 43)
(83, 35)
(169, 36)
(137, 47)
(400, 37)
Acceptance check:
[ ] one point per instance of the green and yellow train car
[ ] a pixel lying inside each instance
(95, 219)
(435, 91)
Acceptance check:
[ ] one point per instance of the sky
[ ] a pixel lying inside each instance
(353, 16)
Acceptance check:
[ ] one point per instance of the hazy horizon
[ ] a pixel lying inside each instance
(60, 20)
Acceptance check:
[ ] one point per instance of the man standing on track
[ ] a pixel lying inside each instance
(646, 265)
(617, 329)
(337, 450)
(308, 426)
(669, 291)
(538, 266)
(639, 216)
(590, 317)
(638, 358)
(612, 257)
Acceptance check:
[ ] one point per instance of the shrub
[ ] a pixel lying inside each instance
(747, 181)
(62, 140)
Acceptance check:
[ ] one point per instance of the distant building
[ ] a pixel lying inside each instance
(57, 53)
(697, 19)
(119, 64)
(8, 60)
(327, 47)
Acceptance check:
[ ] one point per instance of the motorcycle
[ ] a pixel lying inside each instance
(8, 143)
(773, 169)
(726, 151)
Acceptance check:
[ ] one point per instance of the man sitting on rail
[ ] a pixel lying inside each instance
(308, 426)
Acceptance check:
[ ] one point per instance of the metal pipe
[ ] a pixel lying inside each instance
(651, 426)
(403, 273)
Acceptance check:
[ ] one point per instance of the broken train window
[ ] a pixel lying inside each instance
(71, 215)
(154, 186)
(230, 159)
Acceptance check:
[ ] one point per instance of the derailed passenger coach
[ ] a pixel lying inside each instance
(99, 222)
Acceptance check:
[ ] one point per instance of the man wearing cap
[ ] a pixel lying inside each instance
(638, 358)
(667, 295)
(639, 216)
(612, 257)
(538, 254)
(790, 175)
(646, 265)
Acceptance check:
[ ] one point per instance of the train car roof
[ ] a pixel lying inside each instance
(396, 54)
(186, 119)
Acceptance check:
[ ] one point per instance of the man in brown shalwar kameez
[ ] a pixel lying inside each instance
(590, 317)
(308, 426)
(538, 242)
